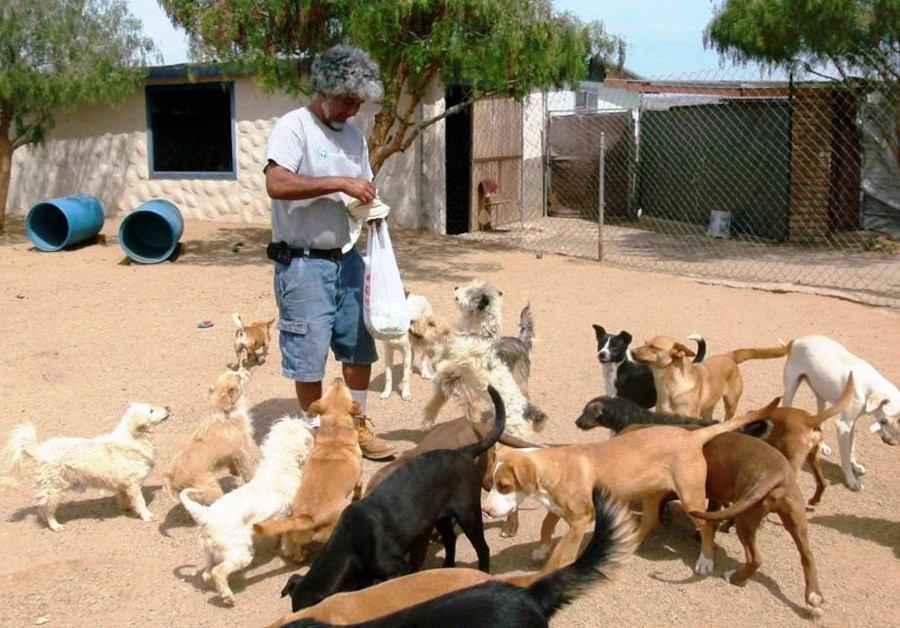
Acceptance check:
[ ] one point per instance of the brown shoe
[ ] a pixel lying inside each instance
(372, 447)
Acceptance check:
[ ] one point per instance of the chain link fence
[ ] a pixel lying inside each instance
(789, 181)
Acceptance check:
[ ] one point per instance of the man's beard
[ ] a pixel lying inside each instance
(334, 125)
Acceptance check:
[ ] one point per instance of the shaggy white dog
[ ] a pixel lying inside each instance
(469, 362)
(227, 525)
(117, 462)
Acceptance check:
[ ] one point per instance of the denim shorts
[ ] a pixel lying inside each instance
(320, 305)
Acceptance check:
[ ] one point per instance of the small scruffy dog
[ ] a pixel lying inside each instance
(426, 332)
(251, 340)
(118, 461)
(224, 440)
(475, 356)
(227, 525)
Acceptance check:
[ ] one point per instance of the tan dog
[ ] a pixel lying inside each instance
(798, 434)
(647, 464)
(225, 440)
(427, 335)
(333, 474)
(689, 389)
(757, 480)
(250, 339)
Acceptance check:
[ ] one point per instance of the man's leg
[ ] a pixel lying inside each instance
(357, 378)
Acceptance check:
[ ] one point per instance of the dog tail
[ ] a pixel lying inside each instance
(701, 348)
(237, 321)
(476, 449)
(613, 543)
(197, 511)
(277, 527)
(758, 493)
(768, 353)
(706, 434)
(22, 440)
(841, 404)
(526, 327)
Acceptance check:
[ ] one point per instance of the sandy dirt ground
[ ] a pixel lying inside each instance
(85, 335)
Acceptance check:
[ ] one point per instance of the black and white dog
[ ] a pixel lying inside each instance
(623, 376)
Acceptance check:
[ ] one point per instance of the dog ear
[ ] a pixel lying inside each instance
(599, 331)
(772, 405)
(875, 401)
(625, 336)
(526, 474)
(680, 351)
(291, 584)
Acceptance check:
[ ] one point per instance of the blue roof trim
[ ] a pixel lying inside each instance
(183, 70)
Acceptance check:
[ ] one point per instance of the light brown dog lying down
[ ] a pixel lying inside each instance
(390, 596)
(689, 389)
(332, 475)
(225, 440)
(798, 434)
(647, 464)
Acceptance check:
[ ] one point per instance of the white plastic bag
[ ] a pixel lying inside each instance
(384, 302)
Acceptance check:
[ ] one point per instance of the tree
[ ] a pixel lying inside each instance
(55, 54)
(857, 39)
(487, 47)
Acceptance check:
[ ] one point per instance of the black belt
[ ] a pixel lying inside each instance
(283, 254)
(334, 255)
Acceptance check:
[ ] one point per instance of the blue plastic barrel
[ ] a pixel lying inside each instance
(60, 222)
(150, 233)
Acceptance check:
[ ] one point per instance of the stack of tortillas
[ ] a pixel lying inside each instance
(368, 211)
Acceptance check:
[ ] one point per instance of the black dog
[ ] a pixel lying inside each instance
(617, 413)
(623, 376)
(374, 535)
(503, 605)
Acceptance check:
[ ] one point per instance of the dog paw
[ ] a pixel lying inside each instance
(704, 565)
(146, 516)
(56, 526)
(508, 534)
(858, 469)
(540, 553)
(824, 449)
(814, 604)
(228, 599)
(853, 484)
(727, 575)
(385, 394)
(406, 395)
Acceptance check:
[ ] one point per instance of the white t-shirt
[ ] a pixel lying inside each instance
(301, 143)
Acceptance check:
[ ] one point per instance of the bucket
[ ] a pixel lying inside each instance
(60, 222)
(150, 233)
(719, 224)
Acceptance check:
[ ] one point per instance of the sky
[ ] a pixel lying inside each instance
(664, 38)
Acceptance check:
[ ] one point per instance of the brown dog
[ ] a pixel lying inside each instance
(647, 464)
(225, 440)
(798, 434)
(250, 339)
(689, 389)
(756, 479)
(331, 476)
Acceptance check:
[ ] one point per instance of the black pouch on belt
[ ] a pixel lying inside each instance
(279, 252)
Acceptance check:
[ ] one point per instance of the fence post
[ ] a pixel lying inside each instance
(600, 201)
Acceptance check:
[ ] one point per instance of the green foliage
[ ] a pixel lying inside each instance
(855, 36)
(487, 46)
(58, 53)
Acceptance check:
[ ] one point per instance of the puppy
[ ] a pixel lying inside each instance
(331, 477)
(695, 389)
(471, 361)
(622, 376)
(756, 479)
(225, 440)
(423, 324)
(227, 525)
(497, 604)
(118, 461)
(374, 535)
(826, 365)
(645, 464)
(453, 435)
(251, 340)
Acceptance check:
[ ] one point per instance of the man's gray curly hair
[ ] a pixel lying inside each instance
(346, 71)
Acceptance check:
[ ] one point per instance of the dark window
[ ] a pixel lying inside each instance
(191, 130)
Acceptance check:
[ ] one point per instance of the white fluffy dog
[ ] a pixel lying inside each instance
(408, 344)
(469, 361)
(227, 525)
(826, 365)
(118, 461)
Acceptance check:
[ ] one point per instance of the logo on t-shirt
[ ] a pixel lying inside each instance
(322, 151)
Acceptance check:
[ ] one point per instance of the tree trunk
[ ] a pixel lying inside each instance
(6, 153)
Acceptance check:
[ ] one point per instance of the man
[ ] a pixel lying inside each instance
(313, 156)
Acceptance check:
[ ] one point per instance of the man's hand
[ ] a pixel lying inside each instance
(360, 189)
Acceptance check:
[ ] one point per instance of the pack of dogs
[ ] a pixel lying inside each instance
(365, 541)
